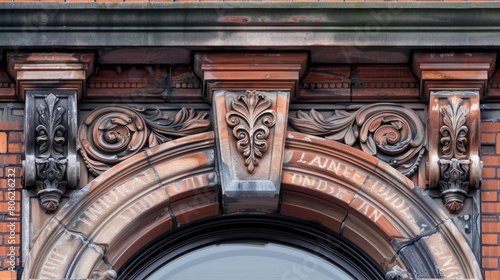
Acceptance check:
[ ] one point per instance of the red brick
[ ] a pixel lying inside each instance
(4, 250)
(487, 138)
(7, 195)
(17, 170)
(489, 172)
(6, 263)
(492, 275)
(490, 263)
(4, 206)
(10, 159)
(6, 184)
(15, 241)
(490, 185)
(7, 274)
(493, 227)
(3, 142)
(497, 148)
(489, 239)
(491, 160)
(16, 148)
(491, 251)
(486, 207)
(489, 196)
(490, 127)
(5, 227)
(16, 137)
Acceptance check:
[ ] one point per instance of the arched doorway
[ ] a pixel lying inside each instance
(326, 183)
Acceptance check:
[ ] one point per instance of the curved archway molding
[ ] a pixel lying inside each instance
(354, 194)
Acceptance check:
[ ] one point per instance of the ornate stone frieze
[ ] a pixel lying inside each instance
(50, 163)
(391, 132)
(454, 149)
(109, 135)
(250, 119)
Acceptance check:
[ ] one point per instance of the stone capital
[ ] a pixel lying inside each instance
(50, 70)
(453, 71)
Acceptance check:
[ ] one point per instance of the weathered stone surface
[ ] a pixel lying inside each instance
(250, 127)
(312, 208)
(311, 184)
(370, 240)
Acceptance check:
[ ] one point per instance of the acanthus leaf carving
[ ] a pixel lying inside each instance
(391, 132)
(454, 165)
(51, 161)
(251, 119)
(110, 135)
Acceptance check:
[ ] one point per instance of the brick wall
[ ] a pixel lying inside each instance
(11, 148)
(490, 206)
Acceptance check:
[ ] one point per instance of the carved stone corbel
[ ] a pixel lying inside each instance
(50, 84)
(454, 163)
(250, 95)
(454, 84)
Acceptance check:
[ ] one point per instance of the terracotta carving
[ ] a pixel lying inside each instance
(110, 135)
(454, 165)
(390, 132)
(250, 120)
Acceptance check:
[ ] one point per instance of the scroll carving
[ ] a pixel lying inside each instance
(391, 132)
(454, 165)
(110, 135)
(51, 160)
(250, 120)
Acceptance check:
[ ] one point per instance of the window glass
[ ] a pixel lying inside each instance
(245, 261)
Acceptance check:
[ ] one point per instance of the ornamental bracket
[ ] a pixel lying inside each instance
(51, 85)
(454, 83)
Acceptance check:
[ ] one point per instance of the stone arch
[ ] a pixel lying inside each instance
(354, 194)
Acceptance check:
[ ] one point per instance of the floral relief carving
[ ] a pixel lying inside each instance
(454, 165)
(51, 160)
(251, 118)
(391, 132)
(110, 135)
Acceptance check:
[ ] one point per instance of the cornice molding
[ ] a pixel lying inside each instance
(277, 24)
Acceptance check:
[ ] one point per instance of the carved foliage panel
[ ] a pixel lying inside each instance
(391, 132)
(111, 134)
(250, 129)
(454, 164)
